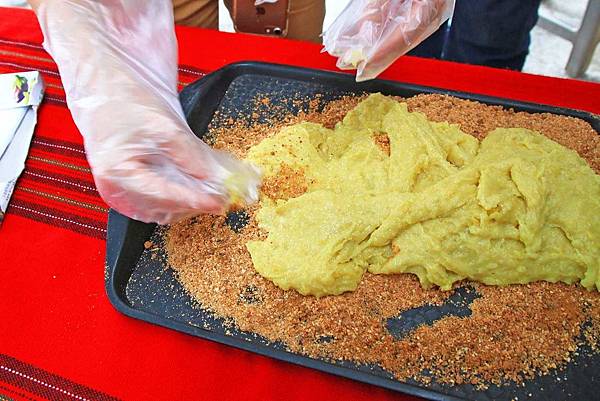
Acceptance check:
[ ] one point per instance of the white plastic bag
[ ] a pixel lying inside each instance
(118, 65)
(369, 35)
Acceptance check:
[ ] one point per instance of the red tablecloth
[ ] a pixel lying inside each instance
(61, 339)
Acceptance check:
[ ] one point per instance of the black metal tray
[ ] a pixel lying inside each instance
(142, 287)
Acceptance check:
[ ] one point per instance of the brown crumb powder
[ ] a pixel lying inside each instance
(383, 141)
(288, 183)
(514, 333)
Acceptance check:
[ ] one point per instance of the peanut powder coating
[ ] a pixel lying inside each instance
(513, 332)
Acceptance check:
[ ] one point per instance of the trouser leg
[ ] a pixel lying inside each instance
(199, 13)
(491, 32)
(433, 46)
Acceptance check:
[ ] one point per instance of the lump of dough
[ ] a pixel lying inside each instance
(513, 208)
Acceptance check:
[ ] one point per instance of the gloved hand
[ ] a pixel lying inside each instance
(118, 65)
(369, 35)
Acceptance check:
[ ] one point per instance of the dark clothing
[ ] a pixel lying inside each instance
(485, 32)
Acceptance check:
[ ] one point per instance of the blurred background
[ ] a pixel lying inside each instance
(549, 51)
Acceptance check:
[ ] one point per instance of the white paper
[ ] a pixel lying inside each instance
(20, 95)
(13, 159)
(10, 120)
(21, 89)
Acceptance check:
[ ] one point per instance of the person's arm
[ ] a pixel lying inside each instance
(118, 65)
(369, 35)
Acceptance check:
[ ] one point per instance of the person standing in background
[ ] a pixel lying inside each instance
(304, 17)
(493, 33)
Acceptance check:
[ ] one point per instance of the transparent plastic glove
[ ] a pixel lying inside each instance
(369, 35)
(118, 64)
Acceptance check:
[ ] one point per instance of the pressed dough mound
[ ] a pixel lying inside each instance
(388, 191)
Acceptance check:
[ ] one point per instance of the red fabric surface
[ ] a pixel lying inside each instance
(55, 313)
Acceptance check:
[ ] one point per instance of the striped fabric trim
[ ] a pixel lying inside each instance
(186, 69)
(17, 54)
(57, 187)
(44, 385)
(5, 398)
(20, 395)
(58, 218)
(27, 66)
(72, 202)
(58, 146)
(60, 180)
(61, 164)
(21, 44)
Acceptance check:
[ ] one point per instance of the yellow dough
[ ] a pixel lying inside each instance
(513, 208)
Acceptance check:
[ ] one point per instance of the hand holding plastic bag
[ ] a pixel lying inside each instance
(118, 64)
(369, 35)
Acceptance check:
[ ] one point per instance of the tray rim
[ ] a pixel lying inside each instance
(314, 74)
(119, 226)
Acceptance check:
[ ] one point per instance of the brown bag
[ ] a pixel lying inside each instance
(266, 19)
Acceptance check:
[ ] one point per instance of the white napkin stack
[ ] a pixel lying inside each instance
(20, 95)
